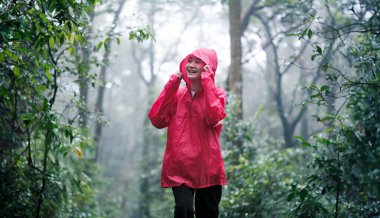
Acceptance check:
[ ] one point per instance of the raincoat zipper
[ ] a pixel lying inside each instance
(191, 103)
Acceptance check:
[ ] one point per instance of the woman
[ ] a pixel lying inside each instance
(193, 164)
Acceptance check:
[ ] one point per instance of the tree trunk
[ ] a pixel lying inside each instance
(102, 78)
(235, 83)
(83, 67)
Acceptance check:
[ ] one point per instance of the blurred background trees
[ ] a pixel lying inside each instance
(301, 138)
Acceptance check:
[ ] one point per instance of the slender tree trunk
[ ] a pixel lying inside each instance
(47, 144)
(275, 87)
(288, 125)
(99, 107)
(102, 77)
(338, 185)
(235, 83)
(150, 137)
(83, 93)
(305, 126)
(83, 65)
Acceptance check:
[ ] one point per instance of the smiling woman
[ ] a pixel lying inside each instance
(194, 68)
(193, 164)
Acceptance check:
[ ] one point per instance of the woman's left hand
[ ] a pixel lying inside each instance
(206, 68)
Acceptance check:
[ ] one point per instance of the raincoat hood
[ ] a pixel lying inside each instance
(208, 56)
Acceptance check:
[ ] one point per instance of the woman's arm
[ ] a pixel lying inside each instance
(215, 98)
(159, 114)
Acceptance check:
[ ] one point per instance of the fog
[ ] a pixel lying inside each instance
(137, 71)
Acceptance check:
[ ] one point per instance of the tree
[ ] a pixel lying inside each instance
(278, 19)
(235, 83)
(45, 168)
(38, 40)
(102, 77)
(346, 154)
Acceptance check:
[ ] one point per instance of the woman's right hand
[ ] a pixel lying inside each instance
(179, 74)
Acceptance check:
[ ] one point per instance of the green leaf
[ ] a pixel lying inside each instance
(106, 41)
(28, 116)
(325, 88)
(99, 46)
(68, 131)
(303, 141)
(48, 75)
(79, 38)
(315, 95)
(8, 53)
(72, 38)
(324, 141)
(15, 57)
(132, 35)
(319, 50)
(325, 67)
(303, 193)
(309, 33)
(2, 57)
(41, 88)
(299, 138)
(3, 91)
(72, 50)
(328, 130)
(62, 38)
(141, 34)
(43, 17)
(328, 117)
(290, 197)
(51, 42)
(313, 56)
(17, 36)
(16, 71)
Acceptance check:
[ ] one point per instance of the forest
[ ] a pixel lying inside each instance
(78, 77)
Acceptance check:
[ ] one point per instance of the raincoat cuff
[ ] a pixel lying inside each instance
(173, 83)
(208, 74)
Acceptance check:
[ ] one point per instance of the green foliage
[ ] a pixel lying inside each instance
(346, 160)
(343, 162)
(161, 205)
(43, 168)
(141, 34)
(260, 173)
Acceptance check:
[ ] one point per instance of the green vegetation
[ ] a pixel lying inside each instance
(48, 165)
(45, 168)
(334, 173)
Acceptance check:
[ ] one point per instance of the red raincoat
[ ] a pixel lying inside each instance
(193, 155)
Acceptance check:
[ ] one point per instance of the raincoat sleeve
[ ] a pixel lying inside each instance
(215, 99)
(160, 112)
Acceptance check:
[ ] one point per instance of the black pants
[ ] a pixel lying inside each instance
(206, 202)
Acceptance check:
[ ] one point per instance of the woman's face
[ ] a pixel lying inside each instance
(194, 68)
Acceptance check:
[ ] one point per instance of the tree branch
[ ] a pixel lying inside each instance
(178, 40)
(245, 19)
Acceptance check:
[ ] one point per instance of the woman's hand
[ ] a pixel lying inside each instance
(207, 72)
(206, 68)
(179, 74)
